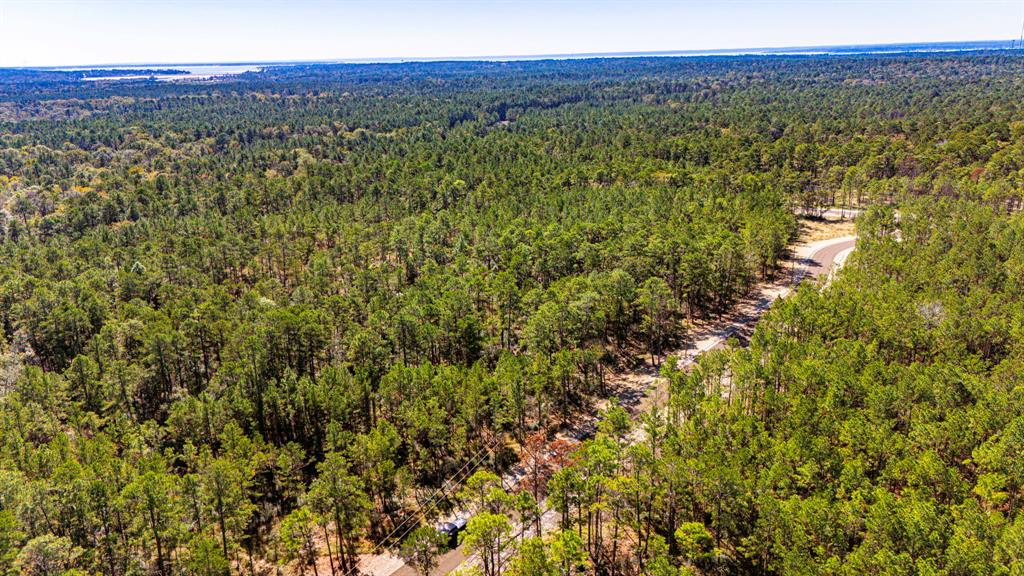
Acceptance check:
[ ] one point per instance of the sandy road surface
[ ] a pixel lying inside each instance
(643, 388)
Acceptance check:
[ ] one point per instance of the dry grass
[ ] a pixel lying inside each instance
(814, 229)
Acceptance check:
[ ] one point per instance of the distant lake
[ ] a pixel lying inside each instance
(193, 72)
(189, 71)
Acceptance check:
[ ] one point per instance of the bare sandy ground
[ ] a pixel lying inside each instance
(824, 244)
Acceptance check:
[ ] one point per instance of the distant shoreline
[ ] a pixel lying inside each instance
(838, 49)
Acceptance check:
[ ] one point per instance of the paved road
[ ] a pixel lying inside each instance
(822, 259)
(816, 260)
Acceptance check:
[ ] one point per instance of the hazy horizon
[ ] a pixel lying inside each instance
(108, 32)
(896, 47)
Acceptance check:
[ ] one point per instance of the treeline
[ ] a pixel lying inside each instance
(314, 293)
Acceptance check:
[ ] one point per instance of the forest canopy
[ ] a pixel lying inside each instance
(252, 321)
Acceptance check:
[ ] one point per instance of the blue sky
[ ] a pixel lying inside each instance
(68, 32)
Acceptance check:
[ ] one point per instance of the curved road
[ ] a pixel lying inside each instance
(824, 257)
(816, 259)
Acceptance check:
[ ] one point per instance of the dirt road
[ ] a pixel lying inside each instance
(642, 388)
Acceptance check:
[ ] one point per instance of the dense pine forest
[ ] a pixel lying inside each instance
(254, 325)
